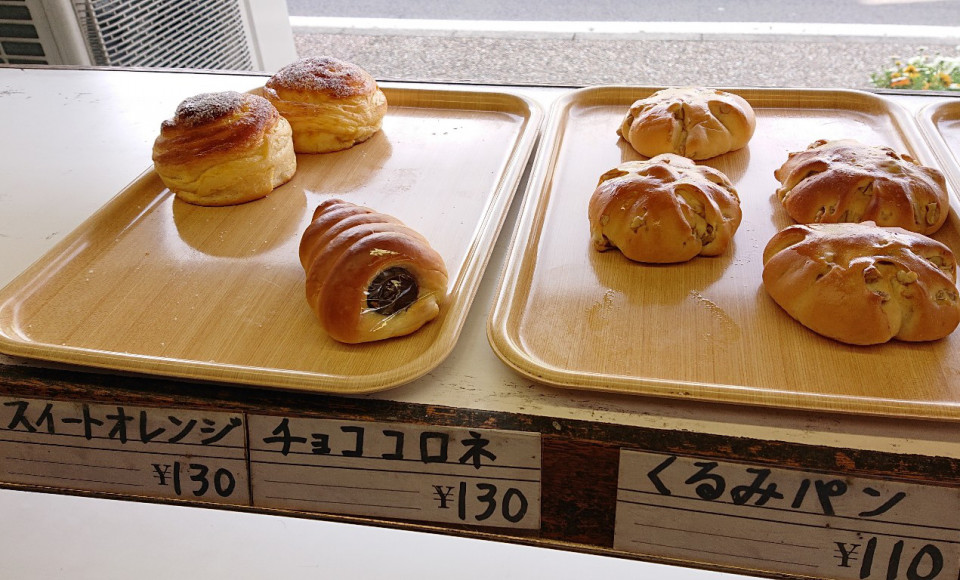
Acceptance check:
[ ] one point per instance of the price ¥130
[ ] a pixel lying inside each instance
(197, 479)
(482, 501)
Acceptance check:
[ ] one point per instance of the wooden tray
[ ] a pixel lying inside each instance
(940, 123)
(154, 285)
(569, 316)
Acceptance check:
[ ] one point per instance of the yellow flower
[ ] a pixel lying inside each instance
(910, 69)
(945, 78)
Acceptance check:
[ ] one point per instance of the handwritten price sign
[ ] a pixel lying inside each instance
(165, 453)
(438, 474)
(784, 520)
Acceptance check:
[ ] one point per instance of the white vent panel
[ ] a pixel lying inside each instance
(20, 41)
(208, 34)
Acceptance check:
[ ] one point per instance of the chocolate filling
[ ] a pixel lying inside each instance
(391, 291)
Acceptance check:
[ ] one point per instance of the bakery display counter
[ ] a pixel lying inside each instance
(465, 446)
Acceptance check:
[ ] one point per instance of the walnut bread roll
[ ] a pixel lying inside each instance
(331, 104)
(848, 181)
(863, 284)
(697, 123)
(664, 210)
(224, 148)
(368, 276)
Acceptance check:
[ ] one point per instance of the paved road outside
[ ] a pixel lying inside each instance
(756, 60)
(925, 12)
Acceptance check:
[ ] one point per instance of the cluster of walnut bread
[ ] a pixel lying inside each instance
(668, 209)
(859, 267)
(368, 277)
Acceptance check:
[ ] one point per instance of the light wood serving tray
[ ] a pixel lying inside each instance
(569, 316)
(152, 284)
(940, 123)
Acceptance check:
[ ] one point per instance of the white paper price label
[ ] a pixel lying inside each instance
(165, 453)
(785, 520)
(478, 477)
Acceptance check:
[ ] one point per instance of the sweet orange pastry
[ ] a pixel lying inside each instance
(331, 104)
(224, 148)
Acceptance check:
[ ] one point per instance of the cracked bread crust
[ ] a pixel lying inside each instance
(848, 181)
(664, 210)
(697, 123)
(862, 284)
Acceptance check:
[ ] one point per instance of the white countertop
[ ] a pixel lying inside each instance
(53, 536)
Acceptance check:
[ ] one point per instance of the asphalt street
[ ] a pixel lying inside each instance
(710, 53)
(925, 12)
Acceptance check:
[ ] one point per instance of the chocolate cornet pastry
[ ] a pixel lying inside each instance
(848, 181)
(863, 284)
(368, 276)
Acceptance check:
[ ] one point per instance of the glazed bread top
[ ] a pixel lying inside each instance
(666, 209)
(211, 126)
(848, 181)
(694, 122)
(323, 77)
(863, 284)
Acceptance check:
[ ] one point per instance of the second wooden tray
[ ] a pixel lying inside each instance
(940, 123)
(569, 316)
